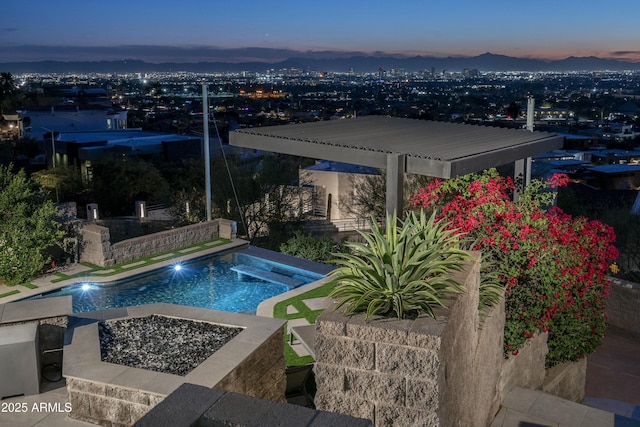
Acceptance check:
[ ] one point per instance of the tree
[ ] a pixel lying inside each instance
(118, 181)
(27, 227)
(63, 183)
(7, 85)
(368, 198)
(188, 198)
(270, 196)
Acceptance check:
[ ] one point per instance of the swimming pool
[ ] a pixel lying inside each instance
(232, 281)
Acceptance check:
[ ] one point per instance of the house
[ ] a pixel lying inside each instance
(81, 148)
(36, 121)
(615, 176)
(331, 184)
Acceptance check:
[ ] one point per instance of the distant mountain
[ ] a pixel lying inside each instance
(484, 62)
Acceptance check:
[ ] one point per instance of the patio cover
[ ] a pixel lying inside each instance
(399, 145)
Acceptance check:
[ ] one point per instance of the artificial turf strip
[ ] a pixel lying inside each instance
(291, 358)
(280, 312)
(6, 294)
(29, 285)
(280, 309)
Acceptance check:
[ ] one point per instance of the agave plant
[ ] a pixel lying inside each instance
(401, 270)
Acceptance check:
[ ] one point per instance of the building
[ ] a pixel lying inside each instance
(79, 149)
(331, 185)
(37, 121)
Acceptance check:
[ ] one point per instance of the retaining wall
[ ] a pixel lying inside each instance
(622, 307)
(96, 247)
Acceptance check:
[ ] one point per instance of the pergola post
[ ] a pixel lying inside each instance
(521, 176)
(396, 166)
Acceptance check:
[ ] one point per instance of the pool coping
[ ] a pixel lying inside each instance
(45, 284)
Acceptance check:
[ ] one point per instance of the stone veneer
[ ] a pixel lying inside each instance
(424, 372)
(103, 393)
(96, 247)
(622, 307)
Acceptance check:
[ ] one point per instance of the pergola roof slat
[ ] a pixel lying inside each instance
(437, 149)
(432, 148)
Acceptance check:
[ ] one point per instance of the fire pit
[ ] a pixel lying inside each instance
(160, 343)
(119, 368)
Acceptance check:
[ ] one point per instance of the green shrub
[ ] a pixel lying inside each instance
(310, 247)
(399, 271)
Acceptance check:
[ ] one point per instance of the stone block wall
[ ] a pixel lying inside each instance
(622, 307)
(109, 405)
(447, 371)
(527, 369)
(262, 374)
(567, 380)
(96, 248)
(412, 372)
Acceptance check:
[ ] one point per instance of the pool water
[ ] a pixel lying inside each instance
(207, 282)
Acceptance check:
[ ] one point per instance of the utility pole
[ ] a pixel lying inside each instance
(207, 160)
(53, 149)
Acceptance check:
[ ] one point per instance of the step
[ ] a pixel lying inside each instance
(524, 407)
(269, 276)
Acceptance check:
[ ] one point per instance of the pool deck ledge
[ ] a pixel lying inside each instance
(52, 282)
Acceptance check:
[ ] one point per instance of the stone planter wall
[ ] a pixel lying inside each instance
(97, 249)
(108, 404)
(448, 371)
(412, 372)
(262, 373)
(567, 380)
(622, 307)
(526, 370)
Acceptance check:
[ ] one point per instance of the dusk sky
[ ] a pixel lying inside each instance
(207, 30)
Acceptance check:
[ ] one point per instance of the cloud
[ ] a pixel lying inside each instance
(8, 30)
(626, 54)
(159, 54)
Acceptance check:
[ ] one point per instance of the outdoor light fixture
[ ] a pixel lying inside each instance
(177, 267)
(85, 287)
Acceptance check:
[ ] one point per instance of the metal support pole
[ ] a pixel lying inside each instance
(207, 156)
(53, 149)
(395, 183)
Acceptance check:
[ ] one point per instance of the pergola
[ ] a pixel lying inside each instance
(400, 146)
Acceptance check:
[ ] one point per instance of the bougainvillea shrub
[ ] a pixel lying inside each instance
(551, 265)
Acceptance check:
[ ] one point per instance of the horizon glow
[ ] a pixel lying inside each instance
(194, 31)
